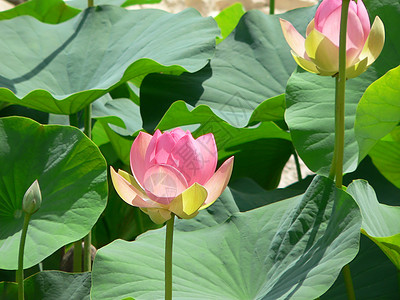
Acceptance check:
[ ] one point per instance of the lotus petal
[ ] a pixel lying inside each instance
(322, 52)
(218, 182)
(357, 69)
(186, 157)
(307, 65)
(157, 215)
(189, 202)
(138, 153)
(163, 183)
(293, 38)
(127, 191)
(375, 41)
(209, 153)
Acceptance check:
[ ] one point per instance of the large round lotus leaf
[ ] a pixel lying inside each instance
(294, 248)
(72, 175)
(62, 68)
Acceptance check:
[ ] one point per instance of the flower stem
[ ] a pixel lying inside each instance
(20, 271)
(337, 162)
(87, 258)
(77, 262)
(271, 7)
(90, 3)
(168, 257)
(348, 282)
(298, 168)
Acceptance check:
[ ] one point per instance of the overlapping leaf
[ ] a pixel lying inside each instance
(310, 116)
(292, 248)
(381, 223)
(61, 68)
(264, 149)
(378, 112)
(72, 175)
(50, 285)
(251, 65)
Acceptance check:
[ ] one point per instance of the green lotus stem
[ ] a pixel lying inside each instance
(88, 121)
(90, 3)
(168, 257)
(337, 162)
(77, 262)
(87, 259)
(298, 169)
(20, 271)
(271, 7)
(348, 282)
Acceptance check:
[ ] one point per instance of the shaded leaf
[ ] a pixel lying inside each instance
(50, 285)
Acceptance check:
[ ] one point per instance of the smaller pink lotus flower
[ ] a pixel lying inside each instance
(319, 51)
(172, 172)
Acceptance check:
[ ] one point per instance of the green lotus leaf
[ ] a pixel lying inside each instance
(72, 175)
(378, 112)
(251, 65)
(62, 68)
(265, 148)
(228, 18)
(50, 285)
(381, 223)
(293, 248)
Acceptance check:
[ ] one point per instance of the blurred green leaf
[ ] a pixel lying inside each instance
(228, 18)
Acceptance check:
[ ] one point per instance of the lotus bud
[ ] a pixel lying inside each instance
(32, 199)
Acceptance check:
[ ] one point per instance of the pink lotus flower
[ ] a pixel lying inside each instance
(172, 172)
(319, 51)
